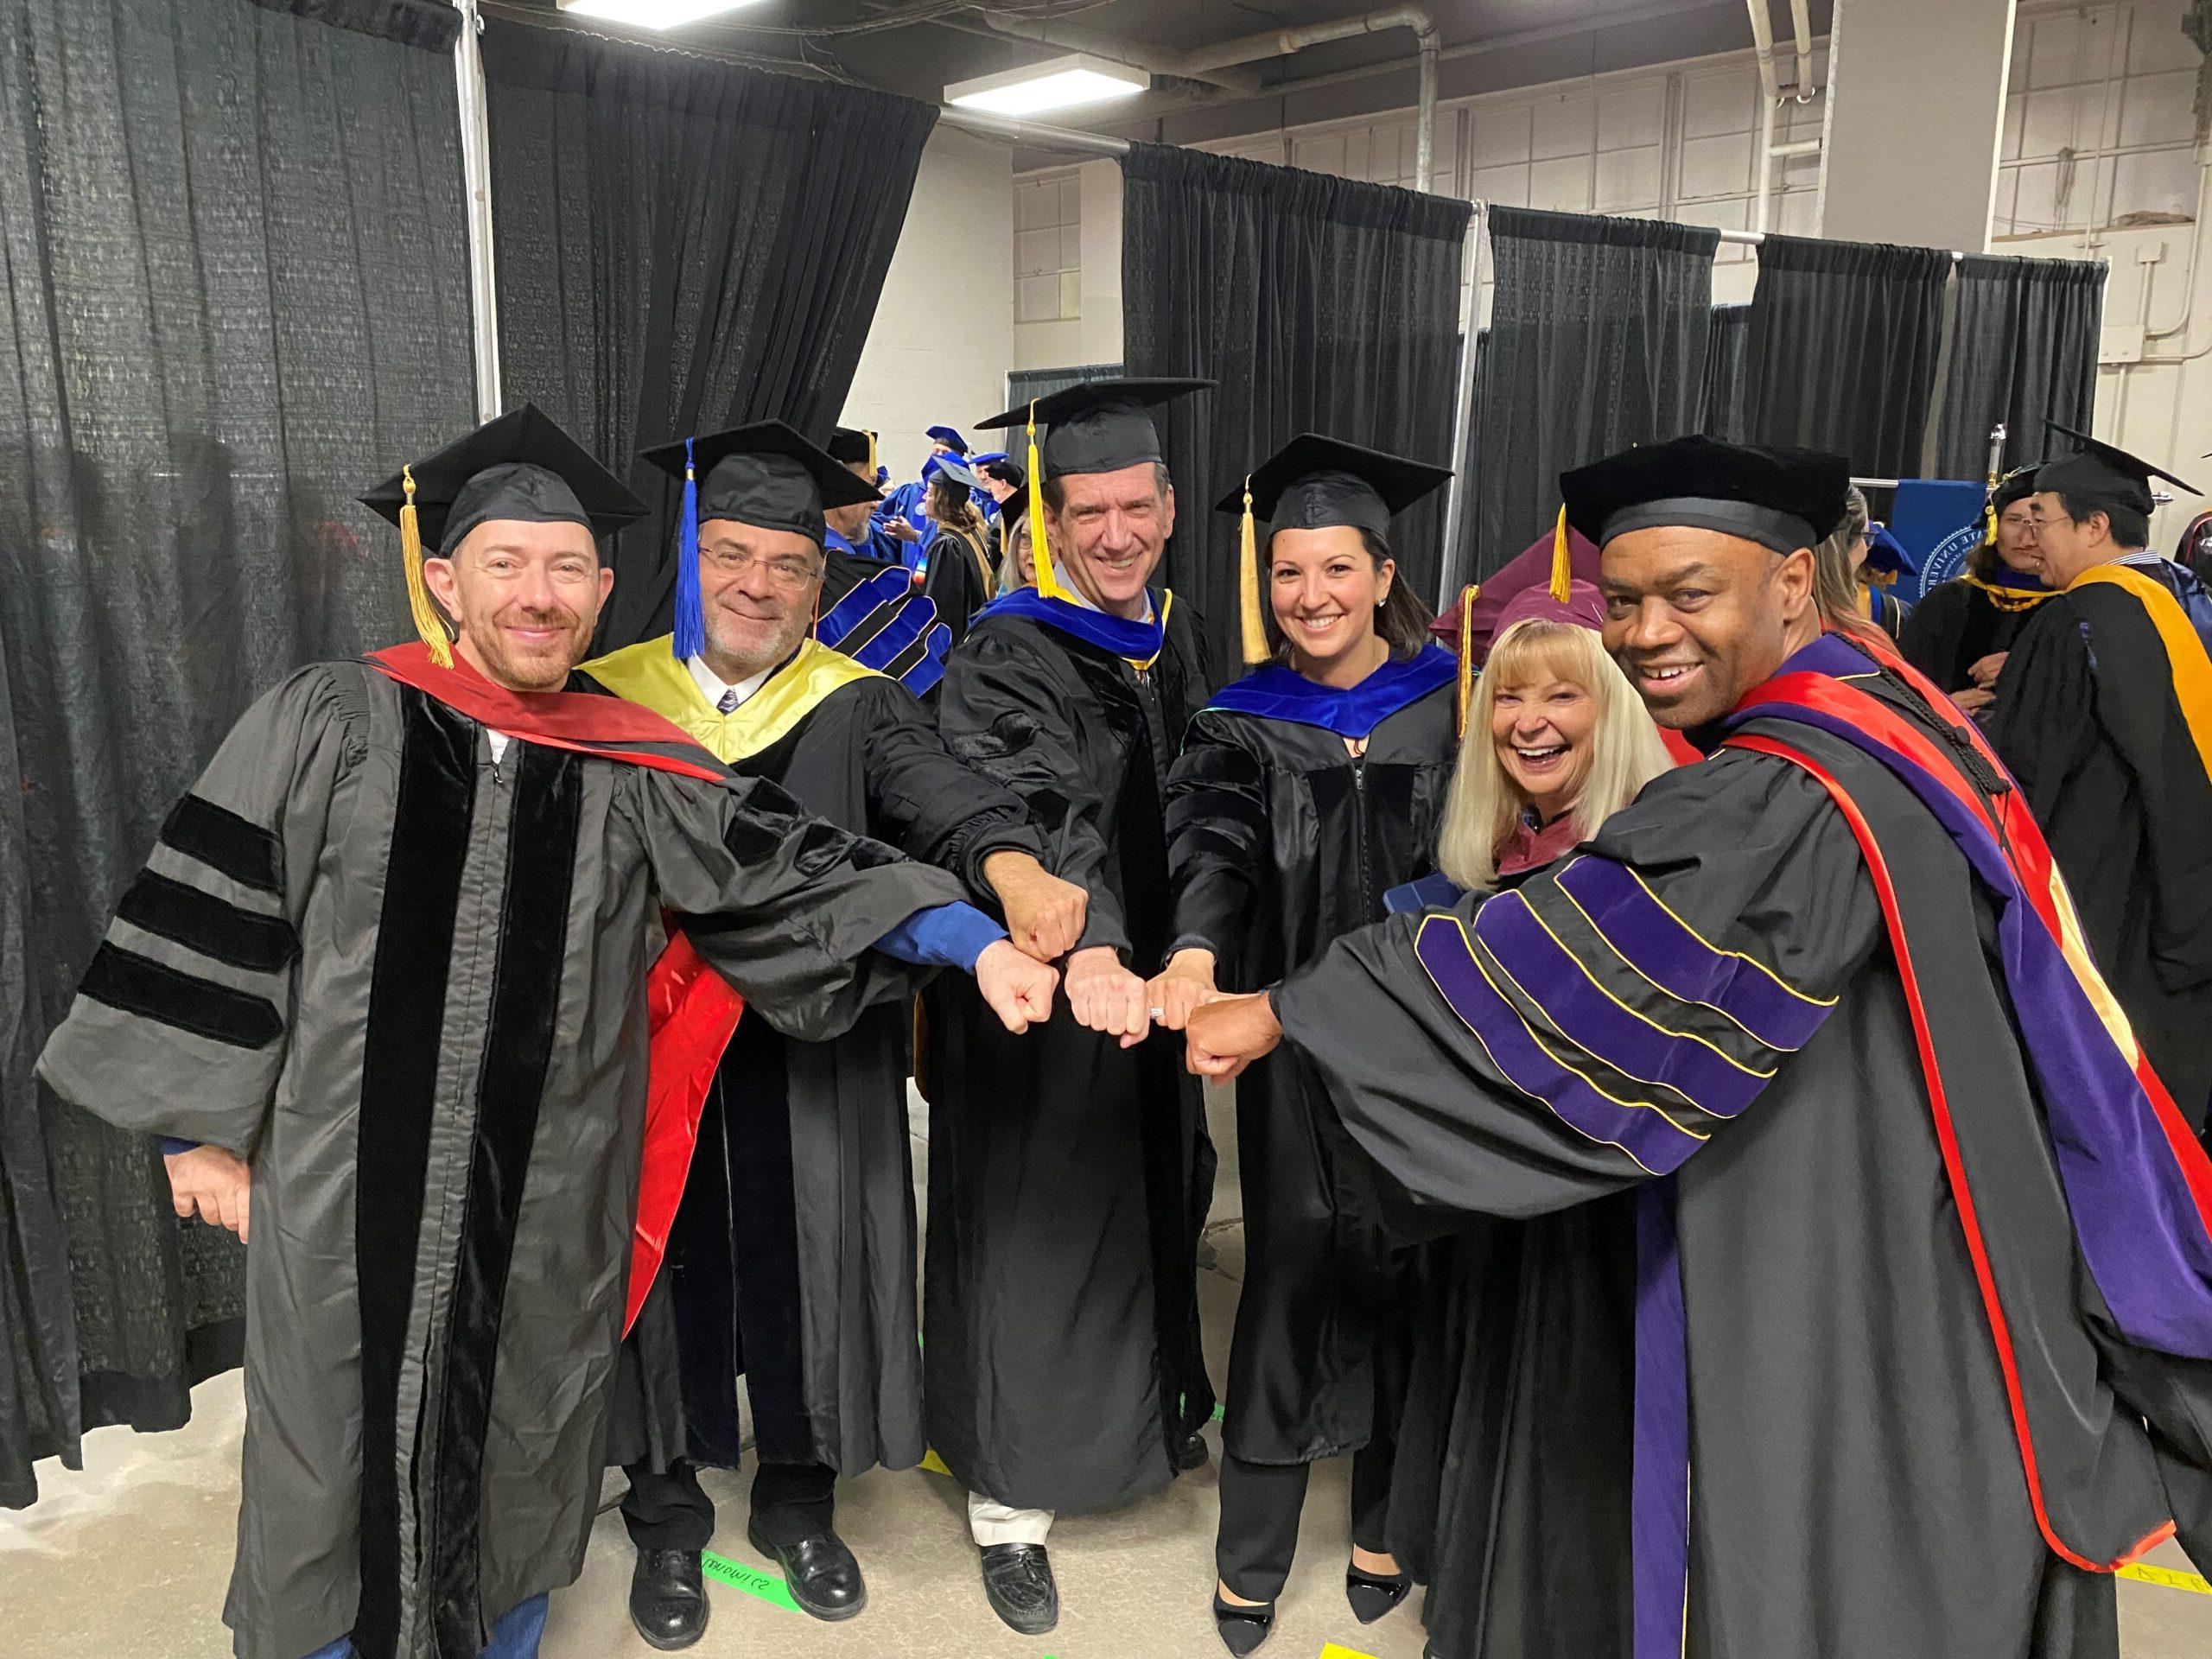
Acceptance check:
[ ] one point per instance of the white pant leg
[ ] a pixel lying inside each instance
(993, 1522)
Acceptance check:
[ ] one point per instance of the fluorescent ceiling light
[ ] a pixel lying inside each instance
(650, 14)
(1055, 84)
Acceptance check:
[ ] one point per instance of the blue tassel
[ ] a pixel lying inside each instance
(690, 611)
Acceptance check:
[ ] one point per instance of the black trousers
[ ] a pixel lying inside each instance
(671, 1511)
(1260, 1506)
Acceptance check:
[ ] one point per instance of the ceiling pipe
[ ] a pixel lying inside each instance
(1034, 133)
(1801, 27)
(1428, 42)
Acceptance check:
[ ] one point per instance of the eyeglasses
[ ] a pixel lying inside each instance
(783, 571)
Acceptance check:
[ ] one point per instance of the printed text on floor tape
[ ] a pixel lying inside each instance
(2167, 1576)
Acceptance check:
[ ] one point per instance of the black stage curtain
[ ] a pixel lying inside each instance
(2023, 350)
(1319, 304)
(238, 294)
(1721, 413)
(684, 245)
(1844, 341)
(1597, 341)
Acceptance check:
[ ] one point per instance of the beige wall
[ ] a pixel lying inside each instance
(1092, 292)
(943, 330)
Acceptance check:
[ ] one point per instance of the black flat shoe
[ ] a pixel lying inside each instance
(820, 1573)
(1192, 1455)
(1018, 1580)
(1373, 1595)
(1242, 1628)
(668, 1597)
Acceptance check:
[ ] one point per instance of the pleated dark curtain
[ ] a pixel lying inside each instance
(1025, 385)
(236, 294)
(1843, 347)
(683, 245)
(2024, 350)
(1319, 304)
(1726, 356)
(1597, 341)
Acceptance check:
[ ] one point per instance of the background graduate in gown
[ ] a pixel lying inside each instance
(1306, 790)
(1960, 630)
(2104, 715)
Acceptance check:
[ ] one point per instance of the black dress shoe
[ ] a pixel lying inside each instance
(1018, 1578)
(1374, 1594)
(1242, 1628)
(1192, 1455)
(820, 1573)
(668, 1597)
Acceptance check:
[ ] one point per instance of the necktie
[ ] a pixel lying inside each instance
(728, 704)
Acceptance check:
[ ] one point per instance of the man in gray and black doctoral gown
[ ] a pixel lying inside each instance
(792, 1256)
(390, 951)
(1920, 1340)
(1068, 1180)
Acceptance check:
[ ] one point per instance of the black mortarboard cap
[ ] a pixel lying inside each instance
(852, 444)
(1097, 426)
(2100, 475)
(2018, 485)
(522, 467)
(763, 474)
(1781, 498)
(1316, 483)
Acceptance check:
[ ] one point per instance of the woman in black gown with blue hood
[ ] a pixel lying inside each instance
(1305, 791)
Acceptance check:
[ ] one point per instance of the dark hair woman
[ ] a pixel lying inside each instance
(1304, 792)
(1960, 632)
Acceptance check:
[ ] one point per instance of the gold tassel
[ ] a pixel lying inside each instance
(1562, 560)
(871, 463)
(1467, 651)
(1989, 523)
(1248, 581)
(1048, 581)
(427, 622)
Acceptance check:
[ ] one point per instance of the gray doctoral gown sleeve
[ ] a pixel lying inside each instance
(1600, 1024)
(784, 906)
(182, 1023)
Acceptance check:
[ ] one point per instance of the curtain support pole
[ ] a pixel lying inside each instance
(476, 190)
(1450, 569)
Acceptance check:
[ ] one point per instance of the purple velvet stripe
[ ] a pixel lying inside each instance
(1548, 972)
(2137, 1220)
(1643, 1133)
(1650, 939)
(1659, 1501)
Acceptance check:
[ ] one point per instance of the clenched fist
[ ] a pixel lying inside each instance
(1227, 1035)
(1185, 986)
(213, 1184)
(1107, 997)
(1044, 914)
(1018, 988)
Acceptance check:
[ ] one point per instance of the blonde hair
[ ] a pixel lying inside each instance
(1835, 584)
(1626, 752)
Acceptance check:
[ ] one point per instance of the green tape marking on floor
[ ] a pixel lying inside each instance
(2167, 1575)
(764, 1586)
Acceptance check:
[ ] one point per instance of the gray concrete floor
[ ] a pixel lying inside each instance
(128, 1559)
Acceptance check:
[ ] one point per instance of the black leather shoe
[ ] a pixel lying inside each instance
(1242, 1628)
(668, 1597)
(1372, 1595)
(820, 1573)
(1018, 1578)
(1192, 1455)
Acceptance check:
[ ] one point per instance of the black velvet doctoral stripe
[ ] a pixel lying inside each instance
(222, 840)
(399, 1067)
(132, 983)
(214, 927)
(518, 1049)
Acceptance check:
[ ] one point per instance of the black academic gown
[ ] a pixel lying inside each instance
(793, 1256)
(1068, 1176)
(960, 577)
(1279, 842)
(1954, 625)
(2087, 719)
(1854, 1483)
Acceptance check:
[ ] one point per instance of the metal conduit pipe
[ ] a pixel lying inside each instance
(1428, 40)
(1801, 27)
